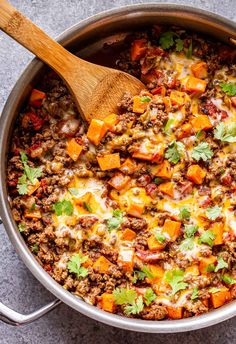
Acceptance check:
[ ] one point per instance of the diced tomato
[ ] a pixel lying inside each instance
(36, 98)
(36, 121)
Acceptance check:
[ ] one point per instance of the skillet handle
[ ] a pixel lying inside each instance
(14, 318)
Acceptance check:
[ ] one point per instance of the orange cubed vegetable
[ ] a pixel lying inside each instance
(177, 98)
(172, 229)
(119, 181)
(33, 214)
(128, 235)
(110, 121)
(167, 103)
(101, 265)
(164, 170)
(199, 69)
(185, 131)
(201, 122)
(126, 258)
(167, 188)
(109, 161)
(154, 244)
(129, 166)
(195, 85)
(175, 312)
(96, 131)
(218, 229)
(73, 149)
(159, 153)
(138, 49)
(138, 105)
(32, 188)
(157, 273)
(136, 209)
(196, 174)
(107, 302)
(205, 262)
(219, 298)
(192, 270)
(36, 98)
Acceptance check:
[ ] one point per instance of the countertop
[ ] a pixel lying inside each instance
(18, 288)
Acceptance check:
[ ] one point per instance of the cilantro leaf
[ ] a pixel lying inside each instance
(207, 238)
(135, 308)
(35, 248)
(149, 296)
(210, 268)
(22, 186)
(168, 125)
(174, 151)
(189, 53)
(214, 212)
(158, 180)
(166, 40)
(87, 207)
(226, 132)
(74, 265)
(190, 230)
(115, 221)
(175, 278)
(227, 279)
(202, 151)
(145, 99)
(147, 272)
(63, 207)
(214, 290)
(179, 44)
(21, 227)
(123, 296)
(138, 275)
(160, 237)
(221, 264)
(229, 88)
(194, 295)
(187, 244)
(184, 213)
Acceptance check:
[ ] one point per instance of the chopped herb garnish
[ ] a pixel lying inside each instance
(147, 272)
(226, 132)
(123, 296)
(74, 265)
(21, 227)
(229, 88)
(63, 207)
(207, 237)
(138, 275)
(214, 212)
(187, 244)
(174, 151)
(175, 278)
(145, 99)
(190, 230)
(199, 134)
(158, 180)
(115, 221)
(184, 213)
(35, 248)
(168, 125)
(210, 268)
(221, 264)
(87, 207)
(228, 280)
(179, 44)
(135, 308)
(202, 151)
(214, 290)
(160, 237)
(32, 207)
(149, 296)
(168, 39)
(194, 295)
(189, 53)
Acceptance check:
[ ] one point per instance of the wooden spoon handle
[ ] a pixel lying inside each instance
(34, 39)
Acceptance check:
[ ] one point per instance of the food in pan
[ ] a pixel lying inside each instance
(136, 213)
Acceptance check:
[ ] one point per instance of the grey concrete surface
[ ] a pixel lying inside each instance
(18, 288)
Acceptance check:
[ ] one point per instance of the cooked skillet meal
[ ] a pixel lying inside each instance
(136, 213)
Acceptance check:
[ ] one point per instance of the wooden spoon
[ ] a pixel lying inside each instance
(96, 89)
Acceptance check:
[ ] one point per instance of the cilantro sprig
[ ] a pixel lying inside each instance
(229, 88)
(202, 151)
(228, 280)
(74, 265)
(174, 151)
(175, 278)
(225, 132)
(188, 243)
(30, 174)
(115, 221)
(213, 213)
(149, 296)
(207, 237)
(128, 297)
(221, 264)
(169, 38)
(184, 213)
(63, 207)
(194, 295)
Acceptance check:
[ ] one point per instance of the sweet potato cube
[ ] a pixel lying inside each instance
(192, 270)
(199, 69)
(159, 153)
(219, 298)
(32, 188)
(138, 49)
(157, 273)
(205, 262)
(196, 174)
(154, 244)
(73, 149)
(201, 122)
(195, 85)
(175, 312)
(185, 131)
(138, 105)
(109, 161)
(36, 98)
(128, 235)
(218, 229)
(96, 131)
(164, 170)
(167, 188)
(145, 151)
(101, 265)
(171, 229)
(33, 214)
(126, 258)
(136, 209)
(129, 166)
(107, 302)
(177, 98)
(110, 121)
(119, 181)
